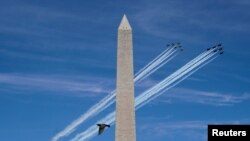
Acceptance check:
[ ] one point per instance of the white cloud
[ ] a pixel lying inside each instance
(49, 83)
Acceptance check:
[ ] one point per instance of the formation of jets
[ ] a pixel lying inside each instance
(175, 45)
(218, 47)
(102, 127)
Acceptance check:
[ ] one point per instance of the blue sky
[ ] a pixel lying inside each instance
(58, 58)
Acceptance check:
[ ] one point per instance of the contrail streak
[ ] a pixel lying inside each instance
(176, 75)
(151, 67)
(169, 83)
(155, 91)
(156, 58)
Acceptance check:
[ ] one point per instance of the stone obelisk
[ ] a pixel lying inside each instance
(125, 112)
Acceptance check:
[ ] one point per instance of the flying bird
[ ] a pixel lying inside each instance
(102, 127)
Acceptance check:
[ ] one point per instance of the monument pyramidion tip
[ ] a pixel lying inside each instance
(124, 25)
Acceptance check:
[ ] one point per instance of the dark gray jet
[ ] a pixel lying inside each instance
(219, 45)
(102, 127)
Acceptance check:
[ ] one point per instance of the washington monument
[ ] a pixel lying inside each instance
(125, 112)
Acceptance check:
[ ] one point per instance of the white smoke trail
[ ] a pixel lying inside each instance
(175, 76)
(156, 58)
(183, 78)
(185, 67)
(150, 69)
(104, 103)
(148, 96)
(109, 119)
(145, 97)
(163, 58)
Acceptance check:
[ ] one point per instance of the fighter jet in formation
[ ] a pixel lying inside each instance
(220, 49)
(179, 46)
(102, 127)
(176, 45)
(211, 48)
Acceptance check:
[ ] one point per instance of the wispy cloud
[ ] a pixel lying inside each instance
(48, 21)
(42, 82)
(197, 79)
(172, 19)
(237, 77)
(205, 97)
(192, 130)
(47, 28)
(147, 83)
(154, 118)
(31, 56)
